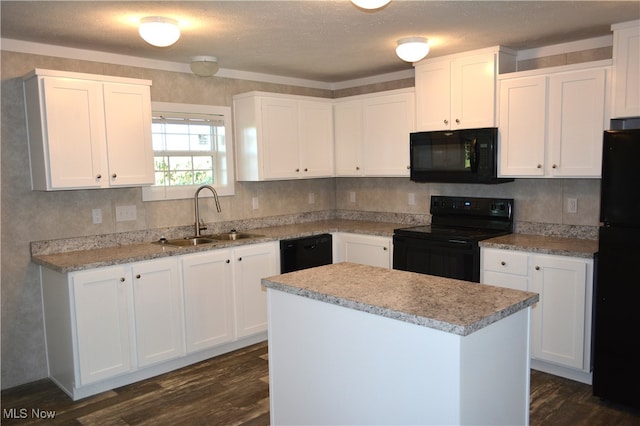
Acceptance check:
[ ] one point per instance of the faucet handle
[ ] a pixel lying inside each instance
(202, 226)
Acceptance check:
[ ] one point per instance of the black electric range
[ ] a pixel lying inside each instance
(449, 246)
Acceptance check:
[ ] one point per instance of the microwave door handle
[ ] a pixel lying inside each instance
(474, 155)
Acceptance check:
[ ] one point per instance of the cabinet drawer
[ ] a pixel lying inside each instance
(508, 262)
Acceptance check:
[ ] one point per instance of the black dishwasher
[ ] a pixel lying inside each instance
(305, 252)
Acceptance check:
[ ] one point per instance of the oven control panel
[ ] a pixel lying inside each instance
(472, 206)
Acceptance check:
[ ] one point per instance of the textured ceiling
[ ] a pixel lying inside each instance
(327, 41)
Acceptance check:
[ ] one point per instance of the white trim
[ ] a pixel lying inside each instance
(573, 46)
(112, 58)
(157, 193)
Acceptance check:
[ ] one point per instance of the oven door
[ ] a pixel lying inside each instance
(452, 258)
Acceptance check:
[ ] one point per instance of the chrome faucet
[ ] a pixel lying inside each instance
(197, 207)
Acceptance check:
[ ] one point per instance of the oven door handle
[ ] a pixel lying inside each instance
(458, 241)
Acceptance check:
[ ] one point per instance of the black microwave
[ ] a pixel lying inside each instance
(457, 156)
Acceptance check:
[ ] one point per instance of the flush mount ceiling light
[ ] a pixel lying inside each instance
(412, 49)
(370, 4)
(159, 31)
(204, 66)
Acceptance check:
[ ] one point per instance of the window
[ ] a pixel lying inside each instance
(192, 146)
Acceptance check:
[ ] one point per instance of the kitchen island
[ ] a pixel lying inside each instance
(355, 344)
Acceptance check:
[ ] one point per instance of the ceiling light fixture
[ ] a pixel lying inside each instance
(412, 49)
(159, 31)
(204, 66)
(370, 4)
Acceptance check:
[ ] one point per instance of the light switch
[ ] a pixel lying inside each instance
(125, 213)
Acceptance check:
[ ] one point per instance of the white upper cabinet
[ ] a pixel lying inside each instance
(372, 133)
(551, 124)
(459, 91)
(283, 136)
(88, 131)
(626, 69)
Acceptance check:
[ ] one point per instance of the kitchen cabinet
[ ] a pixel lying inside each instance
(251, 263)
(283, 136)
(370, 250)
(208, 299)
(626, 69)
(101, 323)
(459, 91)
(88, 131)
(551, 124)
(372, 133)
(561, 320)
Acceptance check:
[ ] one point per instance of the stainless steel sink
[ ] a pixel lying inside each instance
(188, 241)
(232, 236)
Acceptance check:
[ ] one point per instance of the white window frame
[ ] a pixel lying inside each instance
(159, 193)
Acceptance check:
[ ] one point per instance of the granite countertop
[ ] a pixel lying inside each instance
(542, 244)
(453, 306)
(95, 257)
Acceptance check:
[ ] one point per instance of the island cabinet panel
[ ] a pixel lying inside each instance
(561, 320)
(88, 131)
(371, 133)
(370, 250)
(208, 299)
(626, 68)
(283, 136)
(551, 124)
(335, 365)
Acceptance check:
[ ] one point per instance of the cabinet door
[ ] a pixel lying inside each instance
(388, 120)
(73, 134)
(576, 123)
(558, 319)
(348, 138)
(626, 56)
(157, 299)
(208, 299)
(473, 92)
(433, 96)
(251, 264)
(280, 138)
(364, 249)
(128, 129)
(522, 126)
(102, 303)
(316, 139)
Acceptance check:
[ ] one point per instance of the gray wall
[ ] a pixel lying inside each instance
(34, 216)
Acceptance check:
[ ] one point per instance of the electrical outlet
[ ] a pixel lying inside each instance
(255, 203)
(352, 196)
(412, 199)
(96, 215)
(125, 213)
(572, 205)
(312, 198)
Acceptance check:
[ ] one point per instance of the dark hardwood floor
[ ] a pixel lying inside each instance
(233, 389)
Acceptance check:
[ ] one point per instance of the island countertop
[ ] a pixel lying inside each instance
(453, 306)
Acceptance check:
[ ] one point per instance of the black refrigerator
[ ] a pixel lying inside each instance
(616, 360)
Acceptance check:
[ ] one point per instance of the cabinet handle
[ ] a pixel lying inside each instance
(239, 259)
(503, 263)
(227, 261)
(121, 279)
(384, 248)
(554, 166)
(539, 166)
(446, 121)
(113, 176)
(457, 121)
(357, 168)
(306, 170)
(409, 167)
(138, 276)
(99, 176)
(537, 268)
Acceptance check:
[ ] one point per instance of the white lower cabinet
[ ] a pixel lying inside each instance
(370, 250)
(107, 327)
(561, 320)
